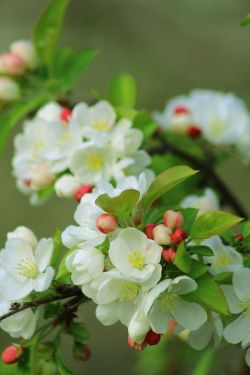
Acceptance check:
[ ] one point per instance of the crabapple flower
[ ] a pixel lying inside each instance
(25, 49)
(85, 264)
(238, 298)
(25, 234)
(212, 329)
(118, 296)
(225, 258)
(139, 258)
(164, 303)
(24, 269)
(9, 90)
(204, 203)
(139, 326)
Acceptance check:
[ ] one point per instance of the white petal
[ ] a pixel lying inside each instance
(200, 338)
(158, 319)
(183, 285)
(189, 315)
(44, 280)
(107, 314)
(43, 253)
(233, 301)
(241, 283)
(237, 330)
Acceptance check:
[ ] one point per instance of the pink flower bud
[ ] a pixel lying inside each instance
(173, 219)
(26, 50)
(152, 338)
(194, 132)
(134, 345)
(162, 234)
(41, 176)
(106, 223)
(12, 64)
(238, 237)
(65, 114)
(82, 190)
(11, 354)
(149, 230)
(9, 90)
(179, 235)
(168, 255)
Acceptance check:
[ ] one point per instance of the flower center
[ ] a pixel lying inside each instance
(27, 267)
(221, 261)
(129, 291)
(136, 259)
(168, 302)
(94, 162)
(246, 305)
(217, 127)
(101, 126)
(64, 139)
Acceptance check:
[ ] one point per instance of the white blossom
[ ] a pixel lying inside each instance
(204, 203)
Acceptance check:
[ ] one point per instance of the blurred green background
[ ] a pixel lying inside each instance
(170, 46)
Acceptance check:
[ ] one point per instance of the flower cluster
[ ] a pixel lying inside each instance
(17, 62)
(70, 151)
(222, 119)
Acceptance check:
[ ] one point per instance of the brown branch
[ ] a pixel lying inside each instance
(208, 173)
(61, 293)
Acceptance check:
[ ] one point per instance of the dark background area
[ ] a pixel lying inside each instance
(171, 47)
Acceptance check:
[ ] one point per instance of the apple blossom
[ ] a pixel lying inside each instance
(204, 203)
(25, 234)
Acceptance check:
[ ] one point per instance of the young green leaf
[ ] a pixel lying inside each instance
(58, 246)
(182, 259)
(120, 206)
(122, 91)
(201, 250)
(189, 216)
(213, 223)
(245, 229)
(210, 294)
(78, 331)
(246, 20)
(165, 182)
(197, 269)
(48, 29)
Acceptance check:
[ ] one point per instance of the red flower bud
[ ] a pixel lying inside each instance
(194, 132)
(168, 255)
(149, 231)
(181, 110)
(179, 235)
(134, 345)
(238, 237)
(11, 354)
(82, 352)
(173, 219)
(65, 114)
(152, 338)
(106, 223)
(82, 190)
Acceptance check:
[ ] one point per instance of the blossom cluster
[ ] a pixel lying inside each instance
(21, 59)
(69, 151)
(222, 119)
(131, 273)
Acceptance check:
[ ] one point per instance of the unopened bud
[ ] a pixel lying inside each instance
(66, 186)
(149, 230)
(12, 64)
(194, 132)
(173, 219)
(82, 190)
(25, 49)
(179, 235)
(152, 338)
(162, 234)
(106, 223)
(136, 346)
(9, 90)
(238, 237)
(65, 114)
(11, 354)
(168, 255)
(82, 352)
(25, 234)
(41, 177)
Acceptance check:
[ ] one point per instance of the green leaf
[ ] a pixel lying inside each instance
(210, 294)
(62, 369)
(213, 223)
(120, 206)
(48, 29)
(75, 66)
(58, 246)
(246, 20)
(245, 229)
(224, 278)
(205, 362)
(19, 110)
(78, 331)
(189, 216)
(165, 182)
(46, 193)
(122, 91)
(182, 259)
(63, 274)
(197, 269)
(201, 250)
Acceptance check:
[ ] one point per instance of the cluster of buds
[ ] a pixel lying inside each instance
(169, 233)
(182, 123)
(15, 63)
